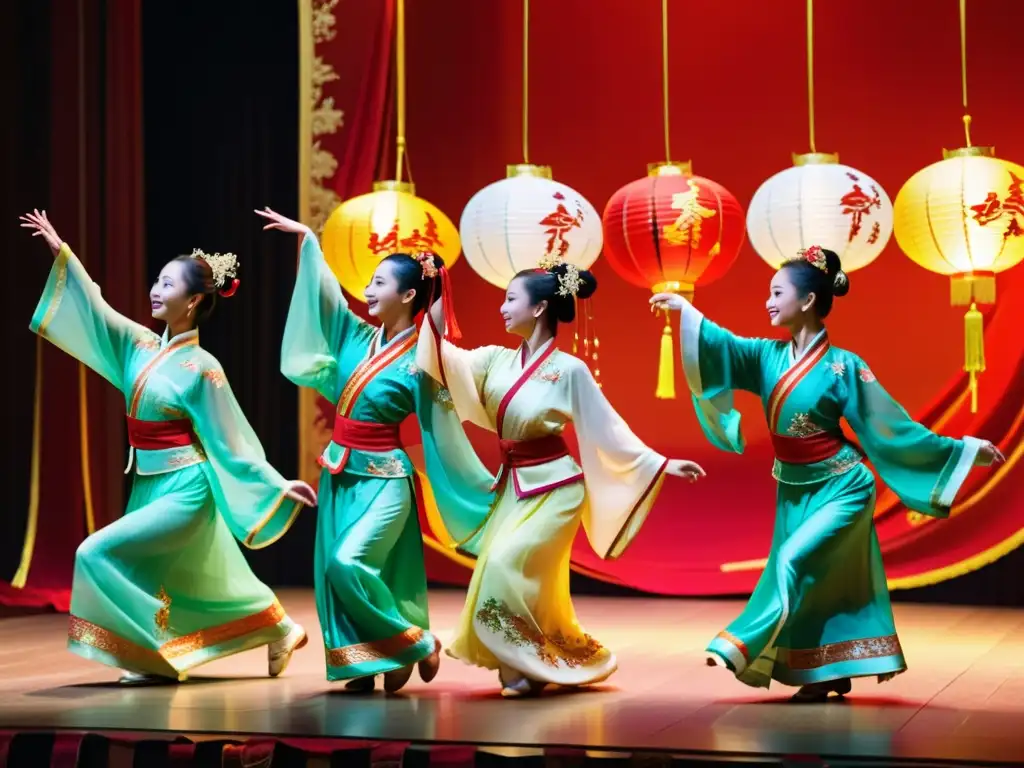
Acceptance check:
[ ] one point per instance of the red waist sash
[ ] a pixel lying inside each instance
(366, 435)
(530, 453)
(806, 450)
(157, 435)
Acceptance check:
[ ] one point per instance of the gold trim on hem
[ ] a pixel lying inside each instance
(92, 635)
(833, 653)
(375, 650)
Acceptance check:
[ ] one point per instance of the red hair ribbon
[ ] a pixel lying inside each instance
(451, 324)
(228, 292)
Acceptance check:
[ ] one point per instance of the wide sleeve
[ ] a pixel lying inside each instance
(462, 372)
(249, 493)
(622, 475)
(73, 316)
(319, 324)
(924, 469)
(717, 363)
(461, 487)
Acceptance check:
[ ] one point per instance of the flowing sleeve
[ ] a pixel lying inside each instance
(622, 475)
(924, 469)
(319, 324)
(717, 363)
(462, 372)
(73, 316)
(249, 493)
(461, 487)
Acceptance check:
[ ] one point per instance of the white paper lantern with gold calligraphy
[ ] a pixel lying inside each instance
(820, 202)
(524, 219)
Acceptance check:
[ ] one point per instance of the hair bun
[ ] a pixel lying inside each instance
(587, 285)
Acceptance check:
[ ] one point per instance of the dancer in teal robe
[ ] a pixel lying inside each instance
(371, 589)
(820, 613)
(166, 588)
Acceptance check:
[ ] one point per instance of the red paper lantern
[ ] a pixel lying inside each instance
(672, 231)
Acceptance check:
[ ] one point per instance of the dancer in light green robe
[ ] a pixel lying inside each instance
(371, 587)
(166, 588)
(820, 613)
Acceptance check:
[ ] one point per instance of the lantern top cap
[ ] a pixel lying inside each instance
(969, 152)
(816, 158)
(670, 168)
(394, 186)
(527, 169)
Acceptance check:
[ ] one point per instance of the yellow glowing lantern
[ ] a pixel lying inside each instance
(390, 219)
(964, 217)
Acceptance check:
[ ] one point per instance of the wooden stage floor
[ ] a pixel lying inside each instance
(962, 699)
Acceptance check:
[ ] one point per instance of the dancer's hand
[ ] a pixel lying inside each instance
(667, 301)
(688, 470)
(988, 454)
(41, 225)
(302, 493)
(277, 221)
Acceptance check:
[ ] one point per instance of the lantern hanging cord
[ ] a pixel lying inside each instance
(526, 81)
(664, 75)
(400, 88)
(810, 72)
(963, 68)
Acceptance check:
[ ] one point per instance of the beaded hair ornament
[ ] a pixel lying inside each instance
(224, 267)
(426, 260)
(570, 283)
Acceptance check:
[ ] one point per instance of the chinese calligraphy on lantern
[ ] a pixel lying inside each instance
(416, 241)
(559, 222)
(685, 230)
(857, 204)
(1009, 209)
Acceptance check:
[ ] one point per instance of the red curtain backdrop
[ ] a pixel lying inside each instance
(888, 100)
(95, 200)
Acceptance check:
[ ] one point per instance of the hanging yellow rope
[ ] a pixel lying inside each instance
(400, 160)
(963, 68)
(810, 72)
(664, 76)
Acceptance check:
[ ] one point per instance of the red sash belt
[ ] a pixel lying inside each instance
(529, 453)
(806, 450)
(366, 435)
(157, 435)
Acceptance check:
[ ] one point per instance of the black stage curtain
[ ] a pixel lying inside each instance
(220, 108)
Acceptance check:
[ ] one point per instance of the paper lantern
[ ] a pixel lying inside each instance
(672, 231)
(525, 219)
(820, 202)
(390, 219)
(964, 217)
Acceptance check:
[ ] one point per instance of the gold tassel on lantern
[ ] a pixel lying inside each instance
(666, 364)
(974, 350)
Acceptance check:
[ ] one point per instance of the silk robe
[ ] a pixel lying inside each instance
(166, 588)
(820, 610)
(518, 615)
(370, 581)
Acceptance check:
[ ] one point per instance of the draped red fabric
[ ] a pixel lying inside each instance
(95, 201)
(595, 116)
